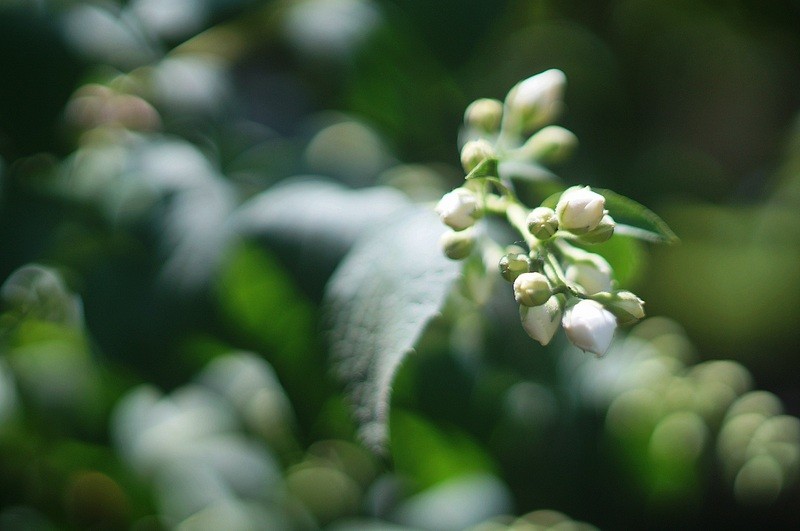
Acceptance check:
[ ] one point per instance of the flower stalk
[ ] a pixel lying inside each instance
(557, 284)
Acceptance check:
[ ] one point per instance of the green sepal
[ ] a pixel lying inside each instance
(486, 168)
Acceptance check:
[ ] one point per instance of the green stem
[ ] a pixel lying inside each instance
(517, 216)
(562, 284)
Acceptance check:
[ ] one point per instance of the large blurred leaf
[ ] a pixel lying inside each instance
(430, 455)
(261, 302)
(311, 223)
(379, 300)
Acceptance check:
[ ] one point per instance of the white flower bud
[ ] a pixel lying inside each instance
(484, 114)
(474, 152)
(535, 101)
(592, 277)
(580, 210)
(532, 289)
(550, 145)
(541, 322)
(457, 245)
(457, 209)
(589, 326)
(542, 223)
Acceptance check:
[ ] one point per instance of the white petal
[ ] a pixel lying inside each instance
(541, 322)
(589, 326)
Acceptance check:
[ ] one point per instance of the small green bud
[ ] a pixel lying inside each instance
(550, 145)
(457, 245)
(603, 232)
(626, 306)
(484, 114)
(542, 222)
(474, 152)
(513, 265)
(532, 289)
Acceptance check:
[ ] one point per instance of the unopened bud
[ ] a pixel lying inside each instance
(474, 152)
(513, 265)
(580, 210)
(457, 245)
(535, 101)
(589, 326)
(532, 289)
(626, 307)
(457, 209)
(550, 145)
(484, 114)
(541, 322)
(542, 222)
(602, 232)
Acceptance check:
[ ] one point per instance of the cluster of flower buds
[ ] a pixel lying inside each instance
(556, 281)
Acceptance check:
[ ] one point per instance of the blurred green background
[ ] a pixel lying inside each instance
(164, 341)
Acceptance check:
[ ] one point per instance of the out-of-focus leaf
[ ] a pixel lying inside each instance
(645, 223)
(626, 255)
(525, 171)
(311, 223)
(430, 456)
(380, 299)
(250, 384)
(260, 301)
(102, 34)
(456, 504)
(319, 216)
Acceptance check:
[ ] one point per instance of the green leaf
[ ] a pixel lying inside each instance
(486, 168)
(626, 255)
(260, 302)
(526, 171)
(631, 215)
(378, 303)
(431, 455)
(552, 200)
(312, 223)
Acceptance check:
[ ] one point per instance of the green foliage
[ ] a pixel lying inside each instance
(186, 325)
(430, 454)
(379, 302)
(260, 300)
(627, 256)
